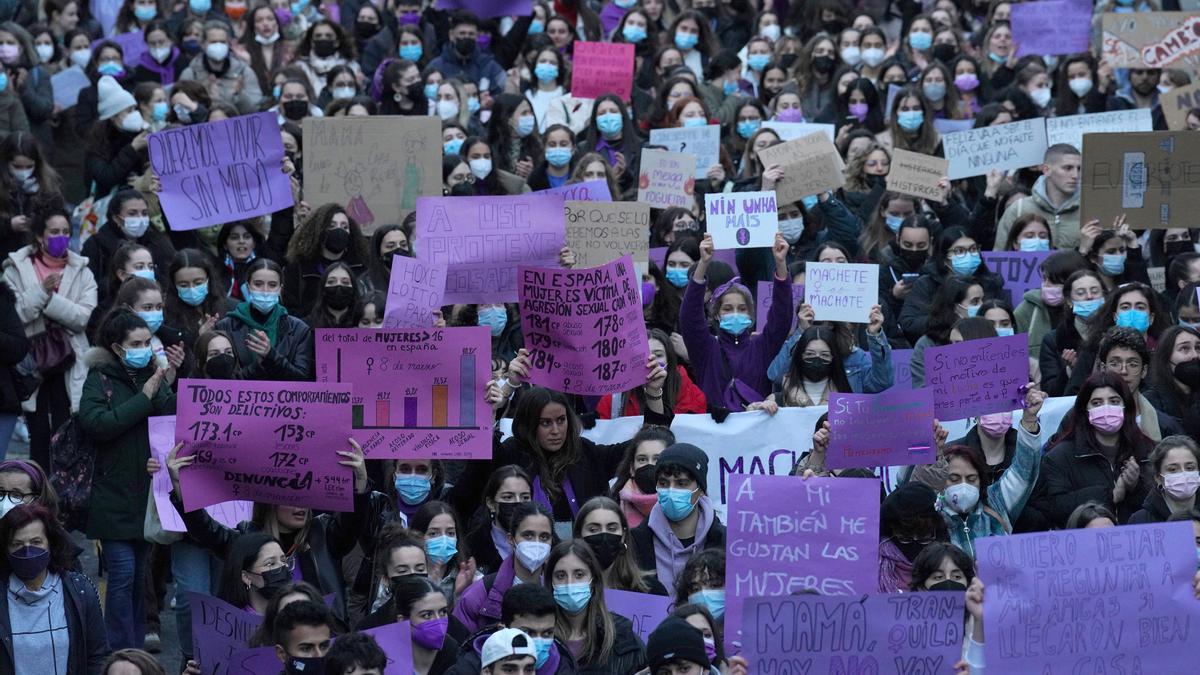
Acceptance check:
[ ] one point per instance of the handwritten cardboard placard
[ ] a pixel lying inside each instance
(788, 131)
(1150, 40)
(915, 174)
(742, 219)
(418, 394)
(587, 191)
(584, 328)
(1176, 104)
(218, 172)
(218, 630)
(415, 290)
(763, 303)
(1137, 579)
(162, 439)
(887, 633)
(1070, 129)
(977, 377)
(1020, 270)
(483, 239)
(667, 179)
(645, 611)
(600, 232)
(841, 291)
(602, 68)
(1150, 177)
(271, 442)
(1052, 27)
(894, 427)
(810, 164)
(1016, 145)
(1158, 278)
(489, 9)
(787, 535)
(703, 142)
(376, 166)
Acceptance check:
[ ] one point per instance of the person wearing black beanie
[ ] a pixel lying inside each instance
(678, 645)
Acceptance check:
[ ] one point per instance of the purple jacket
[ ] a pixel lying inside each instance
(479, 606)
(748, 355)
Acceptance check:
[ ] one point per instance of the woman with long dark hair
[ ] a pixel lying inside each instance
(679, 394)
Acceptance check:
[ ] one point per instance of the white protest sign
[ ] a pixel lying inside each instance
(703, 142)
(742, 219)
(1070, 129)
(841, 291)
(1005, 147)
(791, 130)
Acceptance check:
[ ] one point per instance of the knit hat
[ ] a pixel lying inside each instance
(675, 639)
(112, 97)
(504, 643)
(687, 457)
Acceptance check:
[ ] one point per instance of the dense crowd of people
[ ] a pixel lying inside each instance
(502, 565)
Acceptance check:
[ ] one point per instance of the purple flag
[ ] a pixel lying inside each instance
(894, 427)
(977, 377)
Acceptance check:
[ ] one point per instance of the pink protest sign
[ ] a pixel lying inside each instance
(218, 172)
(218, 631)
(483, 239)
(587, 191)
(162, 439)
(763, 304)
(271, 442)
(894, 427)
(645, 611)
(417, 393)
(415, 290)
(584, 328)
(602, 68)
(977, 377)
(788, 535)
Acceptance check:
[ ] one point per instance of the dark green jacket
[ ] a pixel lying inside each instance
(117, 429)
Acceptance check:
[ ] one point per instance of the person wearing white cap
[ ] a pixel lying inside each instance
(123, 151)
(508, 651)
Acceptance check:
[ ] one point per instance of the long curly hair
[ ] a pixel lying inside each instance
(306, 241)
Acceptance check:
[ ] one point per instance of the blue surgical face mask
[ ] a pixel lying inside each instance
(758, 61)
(893, 223)
(193, 296)
(692, 122)
(730, 88)
(543, 646)
(430, 91)
(971, 310)
(609, 123)
(746, 128)
(686, 41)
(920, 41)
(144, 13)
(809, 202)
(934, 91)
(412, 489)
(452, 146)
(711, 598)
(493, 317)
(137, 358)
(153, 319)
(472, 104)
(676, 503)
(558, 157)
(634, 34)
(573, 598)
(110, 68)
(159, 112)
(677, 276)
(1113, 264)
(1005, 331)
(441, 549)
(546, 72)
(735, 323)
(537, 27)
(1137, 319)
(965, 264)
(148, 275)
(996, 57)
(200, 6)
(525, 125)
(1034, 244)
(1085, 308)
(910, 120)
(263, 301)
(413, 53)
(1185, 324)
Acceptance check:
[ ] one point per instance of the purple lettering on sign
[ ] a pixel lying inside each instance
(587, 191)
(602, 68)
(415, 290)
(272, 442)
(841, 291)
(902, 368)
(645, 611)
(488, 9)
(418, 394)
(742, 219)
(1020, 270)
(977, 377)
(218, 630)
(891, 428)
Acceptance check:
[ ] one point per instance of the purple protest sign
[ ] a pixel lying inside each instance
(895, 633)
(645, 611)
(1020, 270)
(1089, 600)
(218, 630)
(763, 303)
(1051, 27)
(587, 191)
(488, 9)
(415, 290)
(395, 639)
(894, 427)
(272, 442)
(584, 328)
(977, 377)
(252, 661)
(484, 239)
(902, 368)
(132, 44)
(162, 439)
(411, 373)
(787, 535)
(218, 172)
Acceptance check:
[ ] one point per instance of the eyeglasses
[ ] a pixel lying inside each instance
(959, 250)
(1121, 366)
(21, 497)
(287, 561)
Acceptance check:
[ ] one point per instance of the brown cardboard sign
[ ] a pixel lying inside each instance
(601, 232)
(811, 164)
(913, 173)
(1176, 104)
(1151, 177)
(1151, 40)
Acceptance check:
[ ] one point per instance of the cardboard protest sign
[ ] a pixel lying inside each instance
(587, 191)
(218, 172)
(645, 611)
(1005, 147)
(1175, 105)
(1158, 278)
(763, 303)
(841, 291)
(66, 85)
(584, 328)
(886, 633)
(1150, 177)
(1020, 270)
(742, 219)
(483, 239)
(218, 630)
(1052, 27)
(162, 439)
(786, 535)
(1071, 128)
(1151, 40)
(894, 427)
(703, 142)
(375, 166)
(811, 164)
(977, 377)
(600, 232)
(667, 179)
(788, 131)
(489, 9)
(602, 68)
(1101, 600)
(415, 290)
(915, 174)
(439, 414)
(902, 368)
(271, 442)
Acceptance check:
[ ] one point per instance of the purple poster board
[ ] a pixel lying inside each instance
(1052, 27)
(894, 633)
(395, 639)
(133, 45)
(218, 630)
(1089, 600)
(162, 439)
(484, 239)
(644, 610)
(1020, 270)
(487, 9)
(977, 377)
(902, 369)
(415, 290)
(426, 389)
(584, 328)
(892, 428)
(218, 172)
(763, 303)
(587, 191)
(272, 442)
(787, 534)
(252, 661)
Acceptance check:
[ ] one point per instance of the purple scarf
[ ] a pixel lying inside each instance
(165, 71)
(895, 571)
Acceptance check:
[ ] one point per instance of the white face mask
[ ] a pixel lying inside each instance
(269, 40)
(791, 229)
(482, 168)
(135, 226)
(217, 51)
(771, 32)
(532, 554)
(45, 53)
(1080, 86)
(133, 122)
(1041, 97)
(8, 504)
(447, 109)
(851, 56)
(81, 57)
(160, 54)
(961, 497)
(873, 56)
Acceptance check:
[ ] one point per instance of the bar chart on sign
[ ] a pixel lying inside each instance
(406, 411)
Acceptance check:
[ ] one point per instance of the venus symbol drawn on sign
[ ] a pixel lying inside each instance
(743, 236)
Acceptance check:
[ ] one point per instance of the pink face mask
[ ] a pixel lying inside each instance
(996, 425)
(1052, 295)
(1182, 484)
(1107, 418)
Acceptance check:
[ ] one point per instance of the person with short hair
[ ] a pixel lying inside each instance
(531, 609)
(355, 654)
(303, 635)
(1055, 196)
(508, 652)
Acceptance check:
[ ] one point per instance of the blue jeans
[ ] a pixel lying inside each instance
(194, 570)
(8, 422)
(124, 603)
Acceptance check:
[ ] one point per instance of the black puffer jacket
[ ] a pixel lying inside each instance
(290, 359)
(13, 347)
(85, 626)
(1073, 473)
(914, 315)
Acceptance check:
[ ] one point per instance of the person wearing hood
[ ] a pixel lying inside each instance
(1055, 196)
(236, 83)
(908, 522)
(462, 59)
(529, 608)
(1176, 463)
(684, 520)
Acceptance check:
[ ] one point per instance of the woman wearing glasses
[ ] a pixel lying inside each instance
(955, 256)
(254, 571)
(24, 482)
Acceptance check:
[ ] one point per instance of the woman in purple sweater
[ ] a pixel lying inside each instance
(732, 365)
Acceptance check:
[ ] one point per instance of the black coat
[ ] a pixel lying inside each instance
(914, 315)
(290, 359)
(102, 246)
(628, 653)
(1154, 509)
(302, 283)
(85, 626)
(1072, 474)
(1171, 402)
(1050, 361)
(111, 169)
(13, 347)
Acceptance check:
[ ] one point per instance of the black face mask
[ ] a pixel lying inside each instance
(311, 665)
(294, 110)
(948, 585)
(914, 260)
(708, 12)
(324, 48)
(824, 64)
(1188, 373)
(338, 297)
(464, 46)
(1174, 248)
(504, 514)
(944, 52)
(815, 369)
(197, 116)
(910, 549)
(274, 581)
(336, 240)
(365, 30)
(788, 60)
(415, 91)
(221, 367)
(644, 479)
(834, 27)
(606, 545)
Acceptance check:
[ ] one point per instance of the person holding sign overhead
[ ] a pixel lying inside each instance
(269, 343)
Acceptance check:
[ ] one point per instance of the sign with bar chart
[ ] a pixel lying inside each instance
(418, 394)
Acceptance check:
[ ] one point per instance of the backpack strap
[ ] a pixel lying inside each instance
(999, 518)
